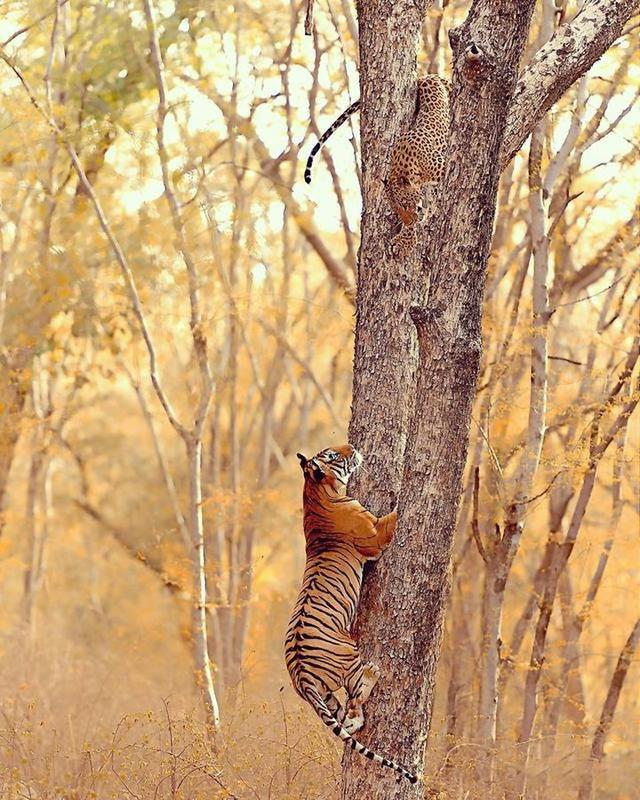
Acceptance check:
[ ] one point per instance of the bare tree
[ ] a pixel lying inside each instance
(598, 445)
(486, 57)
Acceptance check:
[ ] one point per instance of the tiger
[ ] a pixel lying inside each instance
(320, 653)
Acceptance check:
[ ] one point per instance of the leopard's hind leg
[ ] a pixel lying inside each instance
(404, 242)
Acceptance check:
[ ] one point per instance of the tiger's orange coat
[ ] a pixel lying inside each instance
(321, 655)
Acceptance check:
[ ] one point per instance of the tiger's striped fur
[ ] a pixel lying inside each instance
(320, 653)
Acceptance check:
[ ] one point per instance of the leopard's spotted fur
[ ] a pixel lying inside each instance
(417, 158)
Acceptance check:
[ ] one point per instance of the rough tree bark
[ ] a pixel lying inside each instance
(487, 49)
(385, 344)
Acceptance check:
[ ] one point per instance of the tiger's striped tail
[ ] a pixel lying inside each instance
(312, 696)
(330, 130)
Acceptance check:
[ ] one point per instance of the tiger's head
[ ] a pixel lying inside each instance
(335, 465)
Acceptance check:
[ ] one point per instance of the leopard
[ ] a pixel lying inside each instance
(417, 157)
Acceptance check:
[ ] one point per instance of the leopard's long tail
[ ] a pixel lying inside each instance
(330, 130)
(313, 697)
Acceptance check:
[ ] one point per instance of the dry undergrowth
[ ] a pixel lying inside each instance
(162, 755)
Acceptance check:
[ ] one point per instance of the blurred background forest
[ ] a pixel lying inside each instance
(184, 128)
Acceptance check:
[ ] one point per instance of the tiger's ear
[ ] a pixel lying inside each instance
(303, 460)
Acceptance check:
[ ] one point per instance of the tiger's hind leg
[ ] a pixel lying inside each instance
(359, 684)
(334, 706)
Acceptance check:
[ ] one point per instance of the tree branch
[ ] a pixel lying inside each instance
(558, 64)
(120, 537)
(308, 20)
(195, 323)
(338, 271)
(475, 525)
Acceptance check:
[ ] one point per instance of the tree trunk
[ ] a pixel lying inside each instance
(505, 553)
(385, 345)
(412, 582)
(491, 615)
(12, 394)
(33, 535)
(199, 622)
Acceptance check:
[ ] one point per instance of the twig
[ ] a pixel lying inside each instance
(162, 461)
(308, 20)
(568, 360)
(588, 296)
(118, 535)
(306, 367)
(475, 527)
(494, 456)
(27, 28)
(543, 492)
